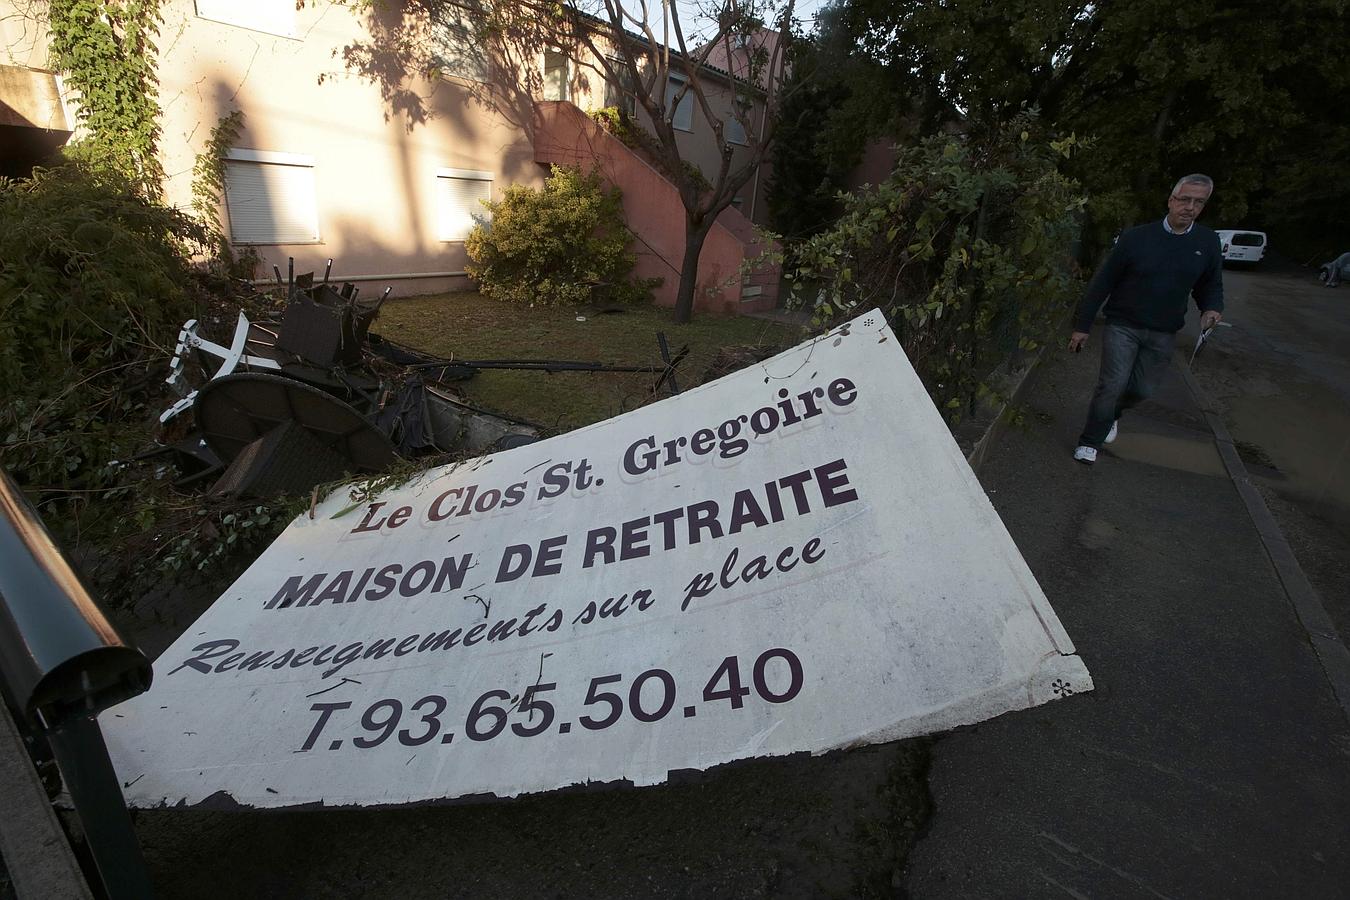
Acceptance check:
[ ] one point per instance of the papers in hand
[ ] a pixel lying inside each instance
(1204, 336)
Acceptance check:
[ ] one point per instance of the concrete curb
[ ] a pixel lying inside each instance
(980, 452)
(40, 860)
(1307, 603)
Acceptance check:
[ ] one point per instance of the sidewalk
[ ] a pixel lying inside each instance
(1213, 760)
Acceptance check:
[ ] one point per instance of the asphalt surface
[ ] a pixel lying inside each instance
(1213, 759)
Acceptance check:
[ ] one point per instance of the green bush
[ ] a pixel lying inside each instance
(968, 248)
(94, 282)
(564, 244)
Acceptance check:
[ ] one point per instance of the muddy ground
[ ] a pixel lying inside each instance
(1281, 377)
(836, 826)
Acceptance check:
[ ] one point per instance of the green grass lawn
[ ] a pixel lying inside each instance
(469, 326)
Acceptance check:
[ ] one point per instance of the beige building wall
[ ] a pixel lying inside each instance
(23, 39)
(699, 145)
(376, 148)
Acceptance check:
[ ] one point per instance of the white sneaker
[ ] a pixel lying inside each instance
(1111, 435)
(1086, 455)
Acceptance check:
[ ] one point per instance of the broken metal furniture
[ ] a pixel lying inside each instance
(279, 435)
(61, 663)
(324, 326)
(463, 368)
(231, 357)
(318, 396)
(327, 327)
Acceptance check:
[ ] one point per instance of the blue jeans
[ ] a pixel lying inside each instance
(1133, 362)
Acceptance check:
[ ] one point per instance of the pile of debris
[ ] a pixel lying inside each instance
(291, 404)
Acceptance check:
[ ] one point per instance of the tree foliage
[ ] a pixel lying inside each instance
(1228, 87)
(966, 247)
(563, 244)
(90, 274)
(836, 103)
(106, 51)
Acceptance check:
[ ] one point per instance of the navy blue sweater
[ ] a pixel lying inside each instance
(1149, 275)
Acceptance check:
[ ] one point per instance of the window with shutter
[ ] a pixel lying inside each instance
(456, 48)
(683, 117)
(270, 198)
(621, 94)
(735, 131)
(557, 76)
(459, 199)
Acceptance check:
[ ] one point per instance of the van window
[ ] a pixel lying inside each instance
(1247, 239)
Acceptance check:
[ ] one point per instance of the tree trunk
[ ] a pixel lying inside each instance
(694, 235)
(1160, 123)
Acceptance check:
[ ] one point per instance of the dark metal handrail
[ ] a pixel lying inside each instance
(61, 663)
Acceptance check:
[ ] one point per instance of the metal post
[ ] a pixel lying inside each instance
(62, 661)
(40, 861)
(82, 757)
(669, 374)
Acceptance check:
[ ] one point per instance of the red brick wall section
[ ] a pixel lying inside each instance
(564, 135)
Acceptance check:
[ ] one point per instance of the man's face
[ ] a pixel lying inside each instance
(1184, 206)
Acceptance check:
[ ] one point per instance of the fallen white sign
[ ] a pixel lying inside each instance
(793, 558)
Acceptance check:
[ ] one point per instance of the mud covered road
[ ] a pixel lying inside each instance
(1281, 375)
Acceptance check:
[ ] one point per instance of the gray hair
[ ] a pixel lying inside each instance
(1197, 178)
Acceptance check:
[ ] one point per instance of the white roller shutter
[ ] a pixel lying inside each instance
(458, 197)
(735, 131)
(270, 203)
(683, 116)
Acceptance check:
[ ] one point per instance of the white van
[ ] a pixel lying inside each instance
(1242, 246)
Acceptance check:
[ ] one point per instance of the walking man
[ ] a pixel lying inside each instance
(1145, 283)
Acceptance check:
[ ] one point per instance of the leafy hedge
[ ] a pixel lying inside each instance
(93, 285)
(563, 244)
(968, 248)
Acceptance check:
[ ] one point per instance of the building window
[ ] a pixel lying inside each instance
(683, 116)
(557, 76)
(270, 16)
(456, 49)
(621, 94)
(735, 131)
(459, 201)
(270, 197)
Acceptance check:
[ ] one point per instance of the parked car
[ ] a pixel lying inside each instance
(1336, 271)
(1242, 246)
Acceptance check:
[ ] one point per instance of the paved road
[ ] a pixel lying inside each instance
(1213, 759)
(1281, 376)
